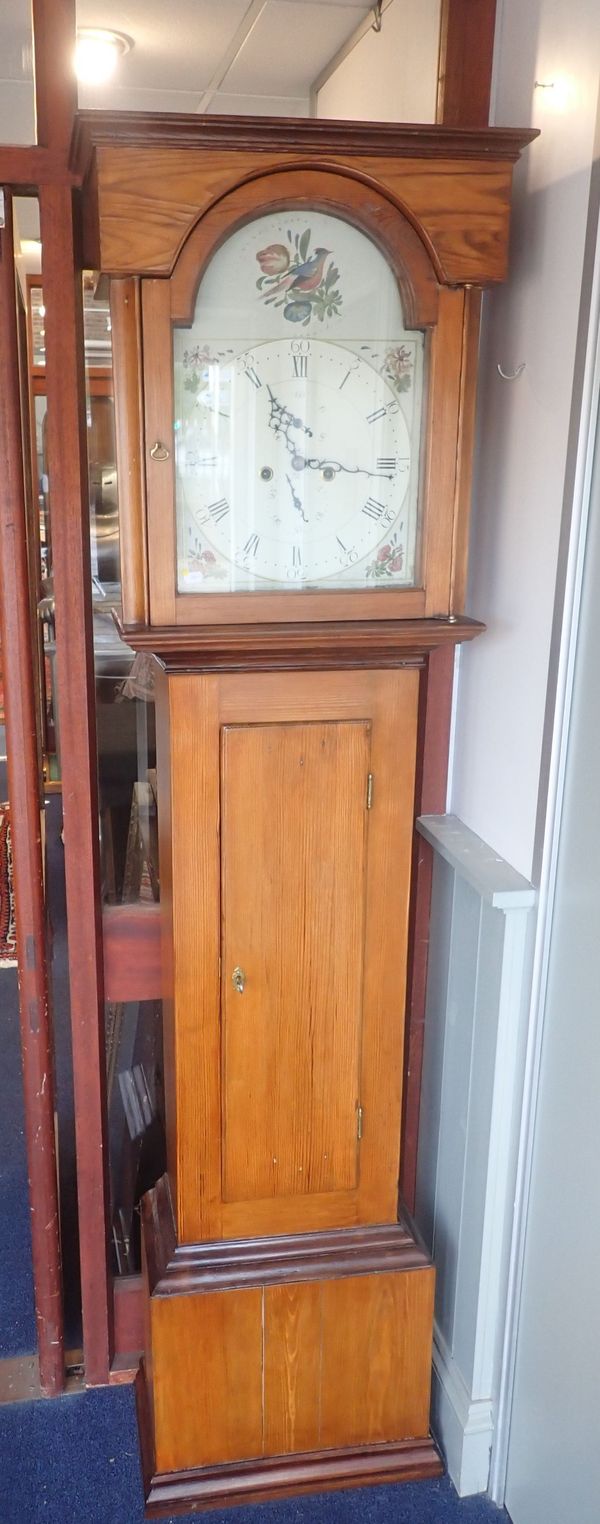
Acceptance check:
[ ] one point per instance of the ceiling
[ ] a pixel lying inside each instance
(247, 56)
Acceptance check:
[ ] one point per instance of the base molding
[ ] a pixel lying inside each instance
(464, 1425)
(291, 1475)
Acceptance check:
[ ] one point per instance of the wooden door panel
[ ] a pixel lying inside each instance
(314, 909)
(293, 875)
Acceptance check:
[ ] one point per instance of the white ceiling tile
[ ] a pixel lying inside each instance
(290, 45)
(177, 46)
(259, 105)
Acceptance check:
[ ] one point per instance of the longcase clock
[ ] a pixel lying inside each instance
(294, 310)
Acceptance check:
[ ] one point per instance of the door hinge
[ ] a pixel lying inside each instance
(369, 791)
(359, 1122)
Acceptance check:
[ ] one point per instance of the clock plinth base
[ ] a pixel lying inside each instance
(291, 1476)
(286, 1364)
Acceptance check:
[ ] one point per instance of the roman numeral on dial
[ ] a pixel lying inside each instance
(252, 544)
(301, 366)
(373, 509)
(386, 462)
(253, 378)
(219, 510)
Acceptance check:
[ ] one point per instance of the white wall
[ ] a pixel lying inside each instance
(553, 1453)
(523, 426)
(391, 76)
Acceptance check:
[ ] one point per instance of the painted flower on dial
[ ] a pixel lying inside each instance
(388, 561)
(204, 560)
(397, 367)
(274, 260)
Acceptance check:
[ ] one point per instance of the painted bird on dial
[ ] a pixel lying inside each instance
(304, 277)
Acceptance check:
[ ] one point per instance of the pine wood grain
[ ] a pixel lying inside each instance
(207, 1378)
(125, 308)
(292, 1368)
(293, 858)
(150, 197)
(195, 900)
(376, 1358)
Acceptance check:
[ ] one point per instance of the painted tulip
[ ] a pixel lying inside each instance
(383, 552)
(396, 564)
(273, 260)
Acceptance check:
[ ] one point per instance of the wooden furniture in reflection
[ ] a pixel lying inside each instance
(289, 1304)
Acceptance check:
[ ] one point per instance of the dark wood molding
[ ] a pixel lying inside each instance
(291, 1476)
(298, 647)
(176, 1270)
(132, 129)
(131, 937)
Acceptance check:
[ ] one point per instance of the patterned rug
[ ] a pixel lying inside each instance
(8, 941)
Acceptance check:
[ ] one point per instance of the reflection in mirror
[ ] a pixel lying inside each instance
(136, 1128)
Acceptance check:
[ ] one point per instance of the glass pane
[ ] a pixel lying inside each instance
(298, 410)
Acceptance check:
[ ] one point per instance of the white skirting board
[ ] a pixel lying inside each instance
(478, 982)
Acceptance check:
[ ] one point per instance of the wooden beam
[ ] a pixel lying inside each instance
(24, 794)
(24, 169)
(464, 91)
(54, 37)
(67, 469)
(432, 777)
(56, 97)
(465, 62)
(132, 952)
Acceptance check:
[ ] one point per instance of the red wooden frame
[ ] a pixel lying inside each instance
(463, 99)
(24, 794)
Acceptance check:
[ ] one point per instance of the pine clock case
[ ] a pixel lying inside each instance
(162, 194)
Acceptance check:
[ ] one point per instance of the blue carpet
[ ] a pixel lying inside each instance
(17, 1317)
(75, 1461)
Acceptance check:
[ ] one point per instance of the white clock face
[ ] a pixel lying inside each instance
(296, 455)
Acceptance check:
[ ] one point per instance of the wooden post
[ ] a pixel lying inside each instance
(54, 45)
(463, 100)
(23, 787)
(465, 62)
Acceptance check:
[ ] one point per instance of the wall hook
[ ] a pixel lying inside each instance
(378, 17)
(511, 375)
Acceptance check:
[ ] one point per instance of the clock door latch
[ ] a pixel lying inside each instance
(369, 791)
(359, 1123)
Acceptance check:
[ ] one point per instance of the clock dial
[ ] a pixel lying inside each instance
(297, 454)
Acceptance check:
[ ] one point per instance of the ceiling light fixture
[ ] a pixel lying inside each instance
(98, 52)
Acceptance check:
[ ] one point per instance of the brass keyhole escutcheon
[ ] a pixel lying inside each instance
(238, 980)
(159, 451)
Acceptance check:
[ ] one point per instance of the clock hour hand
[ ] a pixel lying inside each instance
(295, 499)
(331, 468)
